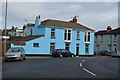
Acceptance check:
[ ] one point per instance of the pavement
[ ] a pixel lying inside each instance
(49, 67)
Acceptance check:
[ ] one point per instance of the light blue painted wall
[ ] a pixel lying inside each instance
(29, 30)
(73, 42)
(36, 29)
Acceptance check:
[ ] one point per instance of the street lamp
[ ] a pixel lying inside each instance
(5, 27)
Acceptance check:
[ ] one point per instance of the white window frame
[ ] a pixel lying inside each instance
(86, 34)
(52, 32)
(67, 35)
(78, 35)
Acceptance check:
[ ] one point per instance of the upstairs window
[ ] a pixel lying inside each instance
(78, 35)
(52, 33)
(101, 38)
(115, 37)
(87, 36)
(31, 31)
(67, 35)
(35, 44)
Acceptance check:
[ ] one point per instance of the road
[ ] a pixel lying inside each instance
(78, 67)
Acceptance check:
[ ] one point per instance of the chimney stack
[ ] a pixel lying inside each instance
(109, 28)
(37, 21)
(12, 28)
(75, 19)
(38, 17)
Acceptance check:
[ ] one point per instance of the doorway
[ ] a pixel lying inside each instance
(77, 49)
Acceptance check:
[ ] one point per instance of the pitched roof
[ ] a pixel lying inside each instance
(114, 31)
(24, 39)
(30, 24)
(64, 24)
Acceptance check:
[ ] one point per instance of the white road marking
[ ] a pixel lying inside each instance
(83, 61)
(89, 72)
(81, 65)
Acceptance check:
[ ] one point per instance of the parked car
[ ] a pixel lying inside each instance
(115, 54)
(15, 53)
(62, 53)
(104, 53)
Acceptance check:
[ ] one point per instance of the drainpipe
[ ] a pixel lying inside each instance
(111, 43)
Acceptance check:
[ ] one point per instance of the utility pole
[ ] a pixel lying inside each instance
(5, 27)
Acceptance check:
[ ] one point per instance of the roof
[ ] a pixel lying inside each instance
(64, 24)
(24, 39)
(30, 24)
(114, 31)
(61, 24)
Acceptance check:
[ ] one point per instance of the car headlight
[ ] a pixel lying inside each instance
(17, 55)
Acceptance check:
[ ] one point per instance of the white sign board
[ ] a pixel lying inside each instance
(6, 37)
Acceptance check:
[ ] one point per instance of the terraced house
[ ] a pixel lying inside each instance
(108, 40)
(44, 36)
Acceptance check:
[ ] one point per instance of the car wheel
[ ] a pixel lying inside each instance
(24, 58)
(72, 56)
(21, 58)
(61, 56)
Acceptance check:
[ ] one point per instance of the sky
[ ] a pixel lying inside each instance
(93, 14)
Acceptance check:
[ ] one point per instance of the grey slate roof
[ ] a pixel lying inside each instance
(114, 31)
(23, 39)
(64, 24)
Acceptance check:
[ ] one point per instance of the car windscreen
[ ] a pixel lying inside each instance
(14, 50)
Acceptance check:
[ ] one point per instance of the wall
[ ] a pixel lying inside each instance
(118, 43)
(107, 39)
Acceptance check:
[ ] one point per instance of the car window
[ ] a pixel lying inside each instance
(14, 50)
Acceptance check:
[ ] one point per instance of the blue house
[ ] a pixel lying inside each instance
(44, 36)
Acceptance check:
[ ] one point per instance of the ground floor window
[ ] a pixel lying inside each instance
(67, 46)
(52, 46)
(35, 44)
(86, 48)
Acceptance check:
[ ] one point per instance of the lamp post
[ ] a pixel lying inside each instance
(5, 27)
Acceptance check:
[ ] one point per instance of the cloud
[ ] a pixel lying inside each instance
(97, 15)
(63, 0)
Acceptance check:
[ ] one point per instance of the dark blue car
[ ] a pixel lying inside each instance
(62, 53)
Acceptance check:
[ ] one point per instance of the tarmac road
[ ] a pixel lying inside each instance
(80, 67)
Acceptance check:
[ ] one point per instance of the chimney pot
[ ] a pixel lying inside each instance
(74, 19)
(109, 28)
(37, 17)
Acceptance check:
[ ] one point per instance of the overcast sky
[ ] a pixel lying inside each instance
(96, 15)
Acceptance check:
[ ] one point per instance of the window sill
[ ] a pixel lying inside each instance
(67, 40)
(87, 42)
(53, 37)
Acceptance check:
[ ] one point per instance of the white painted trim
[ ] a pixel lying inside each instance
(67, 35)
(67, 40)
(87, 37)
